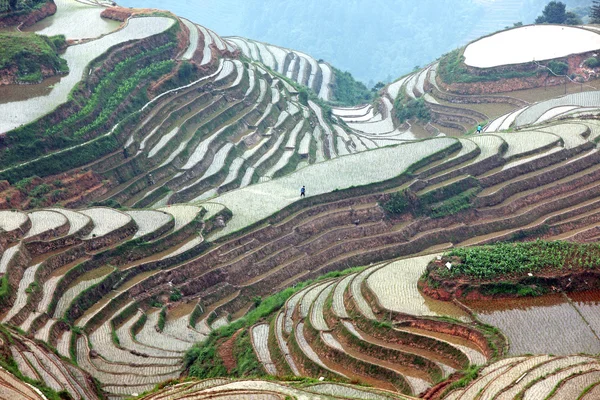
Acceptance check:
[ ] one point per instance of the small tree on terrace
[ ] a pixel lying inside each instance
(554, 13)
(595, 12)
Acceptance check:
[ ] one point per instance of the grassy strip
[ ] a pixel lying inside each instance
(4, 289)
(455, 204)
(162, 319)
(447, 200)
(471, 373)
(203, 360)
(452, 69)
(587, 390)
(247, 363)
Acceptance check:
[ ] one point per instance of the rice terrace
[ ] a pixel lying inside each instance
(155, 242)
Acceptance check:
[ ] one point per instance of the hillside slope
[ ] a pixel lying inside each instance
(166, 237)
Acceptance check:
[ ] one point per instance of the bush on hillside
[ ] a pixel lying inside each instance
(592, 62)
(348, 91)
(555, 13)
(558, 67)
(397, 204)
(411, 109)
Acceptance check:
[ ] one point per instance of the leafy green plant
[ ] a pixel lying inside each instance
(397, 204)
(558, 67)
(592, 62)
(500, 260)
(175, 295)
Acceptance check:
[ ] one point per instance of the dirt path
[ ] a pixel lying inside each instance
(226, 352)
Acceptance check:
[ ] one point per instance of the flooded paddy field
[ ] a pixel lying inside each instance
(557, 324)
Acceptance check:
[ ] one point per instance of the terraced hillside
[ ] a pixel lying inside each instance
(295, 65)
(335, 328)
(205, 156)
(254, 389)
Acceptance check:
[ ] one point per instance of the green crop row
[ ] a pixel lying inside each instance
(32, 141)
(500, 260)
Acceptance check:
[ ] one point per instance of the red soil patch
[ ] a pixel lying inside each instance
(225, 351)
(27, 19)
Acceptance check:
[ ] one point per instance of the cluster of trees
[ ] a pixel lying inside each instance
(556, 12)
(18, 5)
(348, 91)
(595, 12)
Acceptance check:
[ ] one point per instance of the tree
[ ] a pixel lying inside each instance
(572, 19)
(12, 4)
(595, 12)
(554, 13)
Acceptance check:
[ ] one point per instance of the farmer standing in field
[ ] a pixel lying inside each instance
(302, 191)
(479, 127)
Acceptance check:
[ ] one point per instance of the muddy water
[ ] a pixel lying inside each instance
(181, 310)
(551, 324)
(93, 274)
(10, 93)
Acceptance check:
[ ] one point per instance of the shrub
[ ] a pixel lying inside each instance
(412, 109)
(592, 62)
(397, 204)
(558, 67)
(175, 295)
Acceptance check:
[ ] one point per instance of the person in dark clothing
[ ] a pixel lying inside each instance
(302, 191)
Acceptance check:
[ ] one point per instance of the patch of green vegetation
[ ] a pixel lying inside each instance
(592, 62)
(114, 336)
(397, 204)
(527, 233)
(162, 319)
(247, 363)
(4, 289)
(20, 6)
(558, 67)
(33, 286)
(518, 290)
(556, 12)
(490, 262)
(28, 53)
(452, 69)
(411, 109)
(455, 204)
(175, 295)
(471, 374)
(348, 91)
